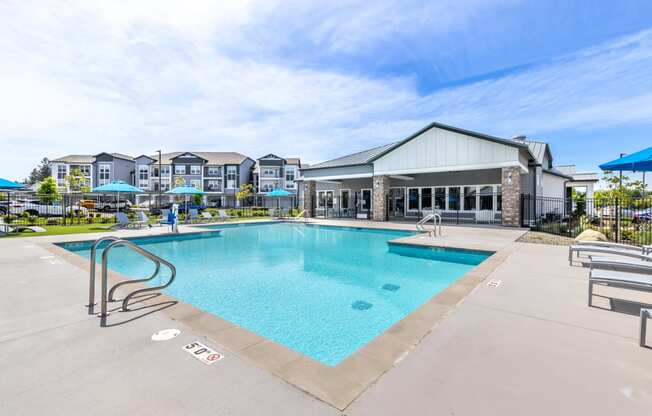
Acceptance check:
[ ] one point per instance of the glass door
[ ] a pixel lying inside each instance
(397, 202)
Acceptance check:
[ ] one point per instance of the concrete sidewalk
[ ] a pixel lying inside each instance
(529, 346)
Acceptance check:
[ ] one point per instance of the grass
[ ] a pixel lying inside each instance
(63, 230)
(93, 228)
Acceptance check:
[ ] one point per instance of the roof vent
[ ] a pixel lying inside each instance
(520, 138)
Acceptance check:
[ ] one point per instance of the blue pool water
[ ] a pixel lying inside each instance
(322, 291)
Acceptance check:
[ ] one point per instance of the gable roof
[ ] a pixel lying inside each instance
(212, 158)
(271, 156)
(361, 158)
(508, 142)
(83, 159)
(368, 156)
(539, 150)
(115, 155)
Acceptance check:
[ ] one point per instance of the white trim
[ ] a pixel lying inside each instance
(454, 168)
(337, 177)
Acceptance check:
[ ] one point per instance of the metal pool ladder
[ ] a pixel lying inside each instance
(107, 295)
(436, 219)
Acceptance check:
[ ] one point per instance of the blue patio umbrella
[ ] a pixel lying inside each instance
(117, 187)
(185, 190)
(6, 184)
(279, 193)
(640, 161)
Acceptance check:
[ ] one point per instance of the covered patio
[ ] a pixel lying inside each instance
(464, 176)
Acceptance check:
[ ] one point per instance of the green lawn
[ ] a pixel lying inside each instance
(94, 228)
(64, 229)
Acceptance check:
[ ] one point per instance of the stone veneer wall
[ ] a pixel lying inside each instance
(379, 195)
(511, 193)
(309, 197)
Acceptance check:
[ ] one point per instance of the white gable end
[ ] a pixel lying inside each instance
(439, 150)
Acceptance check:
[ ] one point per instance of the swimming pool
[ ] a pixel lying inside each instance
(320, 290)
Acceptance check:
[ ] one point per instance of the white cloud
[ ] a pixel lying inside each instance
(135, 77)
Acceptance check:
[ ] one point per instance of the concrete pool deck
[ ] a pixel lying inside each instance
(530, 345)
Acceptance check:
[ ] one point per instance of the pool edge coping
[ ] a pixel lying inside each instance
(337, 386)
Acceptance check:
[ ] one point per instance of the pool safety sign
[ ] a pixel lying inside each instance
(203, 353)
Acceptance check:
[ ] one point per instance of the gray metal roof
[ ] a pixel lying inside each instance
(212, 158)
(360, 158)
(82, 159)
(538, 150)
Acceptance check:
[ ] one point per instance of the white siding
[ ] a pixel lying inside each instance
(438, 150)
(553, 186)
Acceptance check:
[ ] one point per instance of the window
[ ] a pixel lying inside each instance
(426, 198)
(469, 198)
(61, 172)
(344, 199)
(499, 198)
(440, 198)
(196, 183)
(454, 199)
(215, 171)
(104, 174)
(270, 172)
(84, 169)
(165, 170)
(214, 185)
(487, 197)
(231, 177)
(143, 172)
(289, 174)
(325, 199)
(267, 187)
(413, 199)
(366, 199)
(179, 169)
(195, 170)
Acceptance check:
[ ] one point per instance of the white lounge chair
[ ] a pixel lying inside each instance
(608, 248)
(223, 216)
(5, 229)
(143, 218)
(193, 215)
(124, 222)
(206, 216)
(619, 279)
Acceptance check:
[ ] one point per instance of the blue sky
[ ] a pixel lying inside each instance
(313, 80)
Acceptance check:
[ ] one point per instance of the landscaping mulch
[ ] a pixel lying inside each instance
(545, 238)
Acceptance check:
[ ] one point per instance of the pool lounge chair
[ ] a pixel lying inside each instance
(641, 281)
(125, 222)
(164, 217)
(5, 229)
(143, 218)
(223, 216)
(621, 264)
(206, 216)
(193, 216)
(641, 253)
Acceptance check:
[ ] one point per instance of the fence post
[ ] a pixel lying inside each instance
(617, 231)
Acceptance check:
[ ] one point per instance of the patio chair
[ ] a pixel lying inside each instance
(206, 216)
(5, 229)
(193, 215)
(143, 218)
(223, 216)
(125, 222)
(641, 281)
(608, 248)
(165, 213)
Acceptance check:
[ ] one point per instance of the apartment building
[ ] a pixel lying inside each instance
(97, 169)
(274, 172)
(218, 174)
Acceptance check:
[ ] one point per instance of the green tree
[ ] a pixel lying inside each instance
(40, 172)
(48, 191)
(76, 181)
(245, 192)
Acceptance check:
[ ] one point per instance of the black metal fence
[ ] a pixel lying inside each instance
(29, 208)
(624, 220)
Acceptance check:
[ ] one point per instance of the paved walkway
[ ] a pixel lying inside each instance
(529, 346)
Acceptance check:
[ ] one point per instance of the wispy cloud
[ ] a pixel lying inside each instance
(133, 77)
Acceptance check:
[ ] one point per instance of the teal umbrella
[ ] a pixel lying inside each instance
(279, 193)
(185, 190)
(5, 184)
(117, 187)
